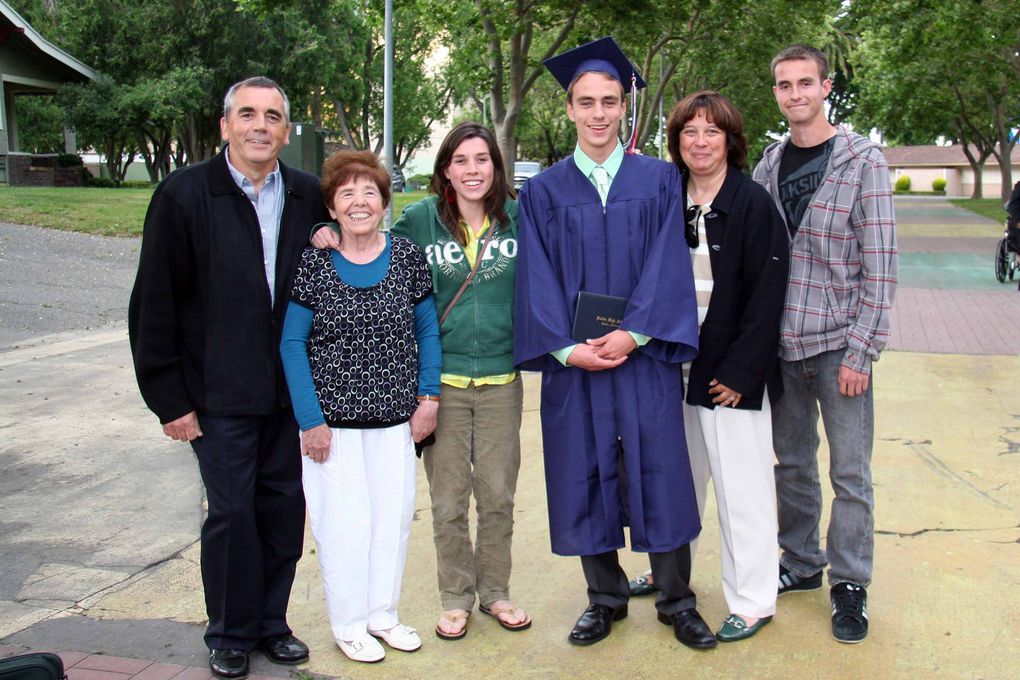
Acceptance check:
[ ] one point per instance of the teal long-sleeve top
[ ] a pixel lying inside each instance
(298, 325)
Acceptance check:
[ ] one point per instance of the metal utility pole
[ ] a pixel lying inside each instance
(388, 105)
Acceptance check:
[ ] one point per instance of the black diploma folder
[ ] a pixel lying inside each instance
(597, 315)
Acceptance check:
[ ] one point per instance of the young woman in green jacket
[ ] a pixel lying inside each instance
(468, 230)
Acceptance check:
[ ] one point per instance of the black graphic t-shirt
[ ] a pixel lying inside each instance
(801, 171)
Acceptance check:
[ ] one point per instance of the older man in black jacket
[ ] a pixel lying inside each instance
(221, 243)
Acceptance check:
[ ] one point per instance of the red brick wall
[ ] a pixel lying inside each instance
(40, 171)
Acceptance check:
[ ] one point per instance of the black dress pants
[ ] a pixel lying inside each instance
(252, 538)
(607, 582)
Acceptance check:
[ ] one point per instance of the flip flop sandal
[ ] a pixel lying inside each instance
(494, 612)
(452, 618)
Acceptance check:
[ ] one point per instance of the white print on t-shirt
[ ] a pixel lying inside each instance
(445, 257)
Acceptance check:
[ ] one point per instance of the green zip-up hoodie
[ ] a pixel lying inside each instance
(477, 337)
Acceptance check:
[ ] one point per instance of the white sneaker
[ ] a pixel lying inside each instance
(365, 649)
(399, 637)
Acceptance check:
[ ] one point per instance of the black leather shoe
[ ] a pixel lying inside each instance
(595, 624)
(690, 629)
(285, 649)
(228, 663)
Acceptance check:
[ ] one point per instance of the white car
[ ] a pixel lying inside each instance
(524, 170)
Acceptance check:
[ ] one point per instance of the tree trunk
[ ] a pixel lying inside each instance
(965, 130)
(506, 138)
(977, 166)
(506, 105)
(112, 161)
(1005, 158)
(1006, 172)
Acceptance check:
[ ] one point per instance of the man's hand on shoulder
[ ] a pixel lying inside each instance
(852, 383)
(586, 357)
(184, 429)
(613, 345)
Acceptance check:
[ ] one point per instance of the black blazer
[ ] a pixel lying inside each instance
(739, 339)
(204, 334)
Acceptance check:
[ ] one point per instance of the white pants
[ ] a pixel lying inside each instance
(361, 503)
(734, 448)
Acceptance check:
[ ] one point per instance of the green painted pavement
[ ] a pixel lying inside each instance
(949, 271)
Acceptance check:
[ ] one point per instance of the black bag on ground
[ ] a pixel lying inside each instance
(34, 666)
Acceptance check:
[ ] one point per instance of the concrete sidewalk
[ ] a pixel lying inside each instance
(99, 516)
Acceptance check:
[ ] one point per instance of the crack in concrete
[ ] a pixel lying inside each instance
(940, 467)
(78, 608)
(151, 565)
(945, 530)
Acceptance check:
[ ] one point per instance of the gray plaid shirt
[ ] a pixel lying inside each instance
(842, 258)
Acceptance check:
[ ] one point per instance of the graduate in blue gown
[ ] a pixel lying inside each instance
(607, 222)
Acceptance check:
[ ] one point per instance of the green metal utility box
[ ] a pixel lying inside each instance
(307, 148)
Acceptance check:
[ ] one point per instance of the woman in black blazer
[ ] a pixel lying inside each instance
(740, 253)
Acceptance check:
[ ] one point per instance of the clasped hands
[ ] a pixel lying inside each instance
(598, 354)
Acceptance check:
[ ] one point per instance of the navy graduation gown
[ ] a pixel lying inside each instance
(633, 248)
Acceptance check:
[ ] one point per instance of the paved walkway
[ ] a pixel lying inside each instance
(53, 281)
(948, 299)
(99, 516)
(82, 666)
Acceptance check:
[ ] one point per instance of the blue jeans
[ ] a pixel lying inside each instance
(811, 385)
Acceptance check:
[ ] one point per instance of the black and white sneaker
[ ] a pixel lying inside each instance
(849, 612)
(791, 583)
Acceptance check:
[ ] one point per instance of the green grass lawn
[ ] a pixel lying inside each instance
(108, 212)
(986, 207)
(402, 200)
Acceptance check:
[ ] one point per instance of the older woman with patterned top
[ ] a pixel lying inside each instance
(468, 230)
(361, 353)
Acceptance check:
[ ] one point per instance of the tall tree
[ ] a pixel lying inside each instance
(697, 44)
(97, 112)
(336, 57)
(498, 47)
(694, 44)
(40, 124)
(930, 69)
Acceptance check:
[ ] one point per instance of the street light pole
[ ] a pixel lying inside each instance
(388, 104)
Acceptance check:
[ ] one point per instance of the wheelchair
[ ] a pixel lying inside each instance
(1006, 253)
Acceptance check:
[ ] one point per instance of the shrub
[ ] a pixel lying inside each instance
(902, 184)
(107, 183)
(420, 181)
(938, 184)
(69, 160)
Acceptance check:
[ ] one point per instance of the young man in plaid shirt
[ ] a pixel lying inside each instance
(832, 186)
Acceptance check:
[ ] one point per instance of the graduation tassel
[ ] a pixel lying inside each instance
(631, 146)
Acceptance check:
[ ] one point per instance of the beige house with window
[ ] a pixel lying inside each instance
(923, 164)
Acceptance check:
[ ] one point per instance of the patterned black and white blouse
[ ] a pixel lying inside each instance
(362, 348)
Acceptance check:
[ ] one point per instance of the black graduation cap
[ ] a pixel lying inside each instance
(599, 55)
